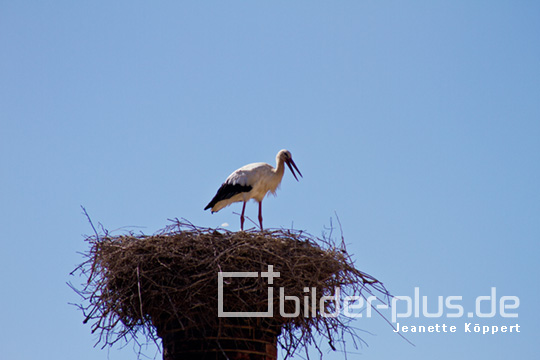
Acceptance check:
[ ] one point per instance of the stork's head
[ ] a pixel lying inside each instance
(285, 156)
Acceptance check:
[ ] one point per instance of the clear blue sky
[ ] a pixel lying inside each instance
(417, 122)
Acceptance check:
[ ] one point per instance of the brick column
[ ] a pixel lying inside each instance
(235, 339)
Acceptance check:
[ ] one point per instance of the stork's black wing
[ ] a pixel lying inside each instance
(227, 191)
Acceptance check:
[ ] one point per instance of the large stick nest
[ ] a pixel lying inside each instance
(135, 283)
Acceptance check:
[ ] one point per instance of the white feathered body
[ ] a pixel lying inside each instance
(261, 177)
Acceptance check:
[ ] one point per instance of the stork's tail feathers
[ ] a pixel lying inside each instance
(227, 191)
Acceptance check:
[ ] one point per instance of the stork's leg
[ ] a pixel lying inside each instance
(242, 217)
(260, 214)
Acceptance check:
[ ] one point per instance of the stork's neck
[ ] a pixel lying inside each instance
(280, 167)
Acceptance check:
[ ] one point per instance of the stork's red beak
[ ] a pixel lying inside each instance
(290, 164)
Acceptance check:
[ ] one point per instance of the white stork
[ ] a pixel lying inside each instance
(252, 181)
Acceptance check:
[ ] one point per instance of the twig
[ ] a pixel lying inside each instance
(90, 221)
